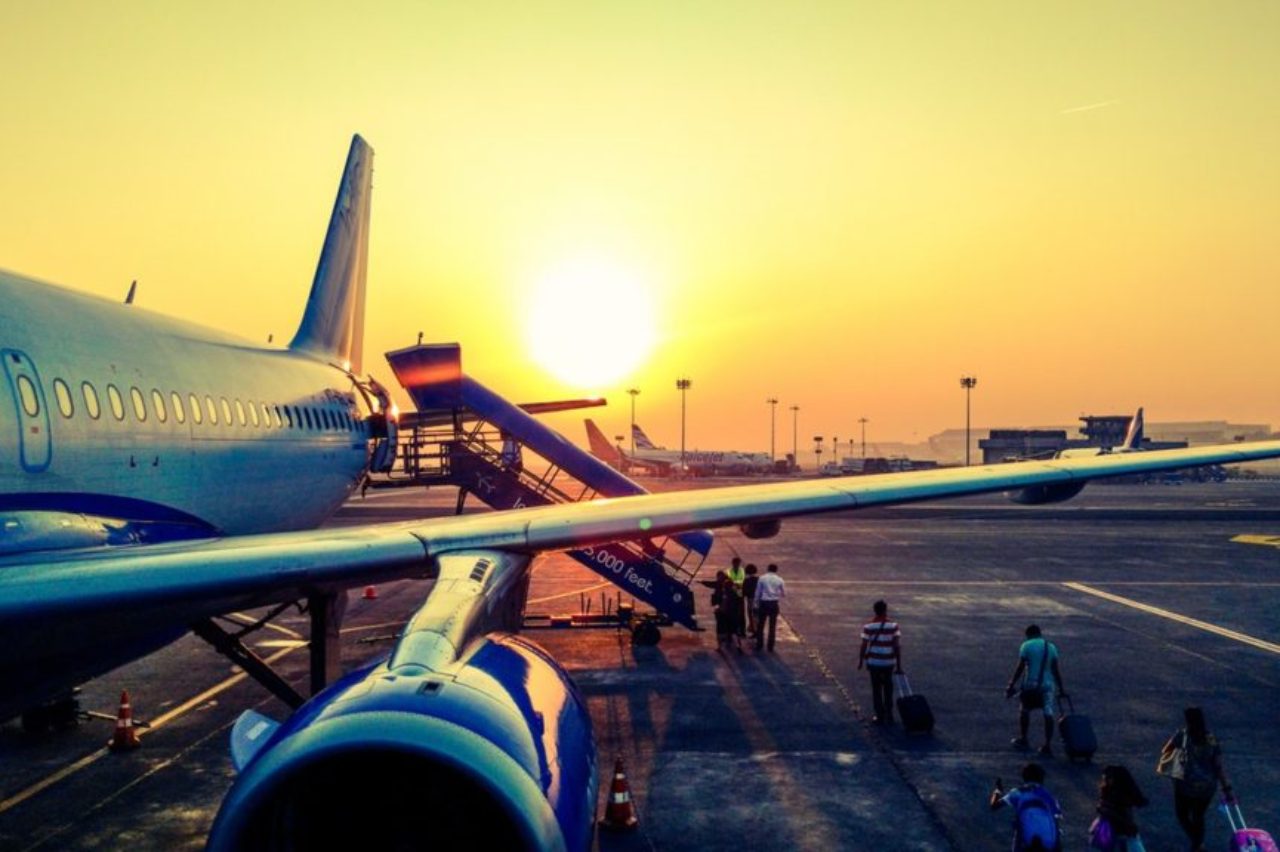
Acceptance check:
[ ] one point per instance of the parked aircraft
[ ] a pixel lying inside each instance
(666, 462)
(159, 474)
(1057, 493)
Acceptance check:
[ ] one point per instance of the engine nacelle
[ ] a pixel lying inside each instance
(494, 753)
(761, 529)
(1039, 495)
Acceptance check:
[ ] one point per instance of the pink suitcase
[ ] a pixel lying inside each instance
(1243, 838)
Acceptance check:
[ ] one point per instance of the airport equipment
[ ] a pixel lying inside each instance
(126, 736)
(1078, 738)
(465, 435)
(620, 811)
(913, 710)
(370, 593)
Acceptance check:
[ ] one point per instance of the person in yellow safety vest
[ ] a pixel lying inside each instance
(737, 575)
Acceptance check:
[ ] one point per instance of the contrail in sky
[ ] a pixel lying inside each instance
(1088, 107)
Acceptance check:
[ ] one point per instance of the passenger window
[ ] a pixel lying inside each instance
(90, 400)
(288, 415)
(306, 412)
(117, 402)
(253, 413)
(328, 418)
(197, 413)
(157, 402)
(139, 405)
(179, 413)
(211, 409)
(27, 392)
(63, 393)
(266, 416)
(226, 411)
(240, 412)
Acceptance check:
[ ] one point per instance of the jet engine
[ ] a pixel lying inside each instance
(492, 752)
(1039, 495)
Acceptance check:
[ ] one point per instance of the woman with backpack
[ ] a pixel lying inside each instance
(1193, 759)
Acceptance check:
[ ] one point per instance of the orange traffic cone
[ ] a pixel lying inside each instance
(370, 593)
(126, 735)
(620, 812)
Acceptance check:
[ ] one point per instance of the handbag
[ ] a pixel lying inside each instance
(1173, 758)
(1032, 697)
(1100, 834)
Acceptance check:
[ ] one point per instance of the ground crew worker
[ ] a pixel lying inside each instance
(737, 576)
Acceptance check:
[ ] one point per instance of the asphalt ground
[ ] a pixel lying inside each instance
(1153, 605)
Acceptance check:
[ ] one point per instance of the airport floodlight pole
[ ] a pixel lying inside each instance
(968, 383)
(772, 402)
(835, 450)
(621, 465)
(635, 392)
(863, 422)
(683, 386)
(817, 452)
(795, 419)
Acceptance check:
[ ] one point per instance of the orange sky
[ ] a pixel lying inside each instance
(844, 206)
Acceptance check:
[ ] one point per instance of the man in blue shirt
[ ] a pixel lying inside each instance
(1041, 684)
(1036, 815)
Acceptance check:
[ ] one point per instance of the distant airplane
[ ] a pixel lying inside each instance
(1057, 493)
(666, 462)
(159, 474)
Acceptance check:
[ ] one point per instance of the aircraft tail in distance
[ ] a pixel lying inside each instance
(1133, 437)
(600, 446)
(332, 326)
(641, 439)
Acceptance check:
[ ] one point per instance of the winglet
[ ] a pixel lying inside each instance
(1133, 437)
(332, 327)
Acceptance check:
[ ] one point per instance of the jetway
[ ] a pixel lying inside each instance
(465, 435)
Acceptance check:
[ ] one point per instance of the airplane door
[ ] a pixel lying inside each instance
(35, 445)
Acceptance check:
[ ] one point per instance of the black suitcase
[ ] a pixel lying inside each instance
(1077, 734)
(913, 709)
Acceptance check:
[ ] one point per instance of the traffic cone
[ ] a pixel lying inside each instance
(370, 593)
(126, 736)
(620, 812)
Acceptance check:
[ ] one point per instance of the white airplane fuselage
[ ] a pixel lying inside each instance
(278, 443)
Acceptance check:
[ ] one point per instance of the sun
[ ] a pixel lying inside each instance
(590, 322)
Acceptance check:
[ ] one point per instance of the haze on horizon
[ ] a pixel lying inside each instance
(845, 206)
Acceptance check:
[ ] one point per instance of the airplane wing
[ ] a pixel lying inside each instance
(185, 581)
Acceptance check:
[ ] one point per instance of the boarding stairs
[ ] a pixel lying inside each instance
(464, 435)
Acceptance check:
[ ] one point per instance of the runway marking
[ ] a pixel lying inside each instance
(1247, 584)
(270, 625)
(1173, 616)
(596, 587)
(1249, 538)
(156, 723)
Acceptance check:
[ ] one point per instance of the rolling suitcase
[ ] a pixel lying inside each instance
(913, 709)
(1078, 738)
(1243, 838)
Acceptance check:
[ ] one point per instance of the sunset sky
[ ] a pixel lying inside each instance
(846, 206)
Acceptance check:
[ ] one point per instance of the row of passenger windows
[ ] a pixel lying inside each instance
(155, 404)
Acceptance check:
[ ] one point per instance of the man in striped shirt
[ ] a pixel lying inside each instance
(881, 653)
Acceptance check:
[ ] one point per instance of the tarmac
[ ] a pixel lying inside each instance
(1158, 596)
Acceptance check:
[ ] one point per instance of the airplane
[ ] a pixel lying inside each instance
(1041, 495)
(664, 462)
(158, 474)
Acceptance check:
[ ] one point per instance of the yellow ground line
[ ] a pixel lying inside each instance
(270, 625)
(1173, 616)
(568, 594)
(158, 722)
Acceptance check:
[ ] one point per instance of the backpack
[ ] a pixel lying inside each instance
(1036, 821)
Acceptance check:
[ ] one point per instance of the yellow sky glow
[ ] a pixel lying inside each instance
(845, 206)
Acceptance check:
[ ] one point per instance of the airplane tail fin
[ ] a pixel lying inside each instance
(332, 326)
(641, 439)
(600, 446)
(1133, 437)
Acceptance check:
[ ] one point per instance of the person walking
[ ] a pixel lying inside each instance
(1193, 759)
(881, 652)
(1116, 829)
(769, 593)
(719, 605)
(749, 584)
(1041, 684)
(1037, 817)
